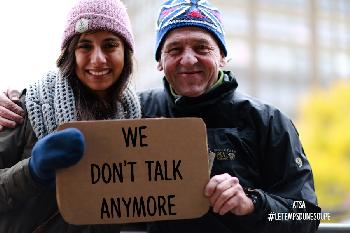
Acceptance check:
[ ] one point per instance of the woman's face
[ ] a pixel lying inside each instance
(99, 60)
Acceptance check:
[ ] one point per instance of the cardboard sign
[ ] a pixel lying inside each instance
(136, 171)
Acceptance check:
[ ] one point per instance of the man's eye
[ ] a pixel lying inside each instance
(174, 51)
(203, 48)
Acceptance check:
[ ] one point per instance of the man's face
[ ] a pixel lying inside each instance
(190, 58)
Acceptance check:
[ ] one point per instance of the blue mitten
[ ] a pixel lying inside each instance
(57, 150)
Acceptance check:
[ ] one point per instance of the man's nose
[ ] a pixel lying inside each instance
(98, 57)
(188, 57)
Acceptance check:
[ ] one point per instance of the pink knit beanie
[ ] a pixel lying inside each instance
(91, 15)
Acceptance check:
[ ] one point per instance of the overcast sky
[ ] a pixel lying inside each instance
(30, 38)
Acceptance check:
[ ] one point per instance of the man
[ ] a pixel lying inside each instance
(260, 169)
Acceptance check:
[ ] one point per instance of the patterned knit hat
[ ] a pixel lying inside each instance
(91, 15)
(184, 13)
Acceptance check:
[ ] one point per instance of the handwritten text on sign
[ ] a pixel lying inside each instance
(136, 171)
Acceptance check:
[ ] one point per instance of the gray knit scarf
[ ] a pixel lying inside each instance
(50, 102)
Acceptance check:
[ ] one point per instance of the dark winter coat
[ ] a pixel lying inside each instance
(255, 143)
(25, 206)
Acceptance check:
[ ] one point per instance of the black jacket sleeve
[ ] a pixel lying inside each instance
(288, 181)
(16, 184)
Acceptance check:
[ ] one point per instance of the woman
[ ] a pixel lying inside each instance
(92, 82)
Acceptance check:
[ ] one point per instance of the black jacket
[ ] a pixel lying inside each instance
(255, 143)
(26, 207)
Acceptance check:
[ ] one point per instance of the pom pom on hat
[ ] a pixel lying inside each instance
(186, 13)
(92, 15)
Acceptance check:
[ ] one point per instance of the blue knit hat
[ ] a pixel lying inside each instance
(185, 13)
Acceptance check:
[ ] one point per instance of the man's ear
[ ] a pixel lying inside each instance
(222, 61)
(159, 65)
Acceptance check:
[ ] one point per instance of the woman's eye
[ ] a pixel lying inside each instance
(84, 46)
(111, 45)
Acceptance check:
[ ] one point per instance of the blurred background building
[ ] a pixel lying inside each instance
(277, 48)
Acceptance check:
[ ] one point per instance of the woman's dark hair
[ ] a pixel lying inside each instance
(88, 105)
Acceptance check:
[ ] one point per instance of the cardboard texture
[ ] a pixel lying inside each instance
(136, 171)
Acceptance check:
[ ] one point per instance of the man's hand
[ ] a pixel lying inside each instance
(226, 194)
(10, 113)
